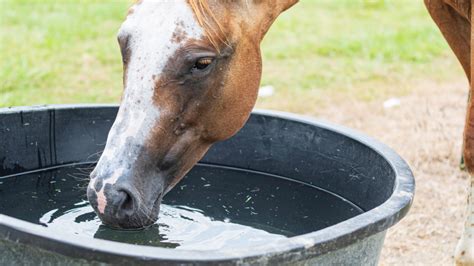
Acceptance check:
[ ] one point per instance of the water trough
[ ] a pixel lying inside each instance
(339, 190)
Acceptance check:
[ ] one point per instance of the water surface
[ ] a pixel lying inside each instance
(211, 208)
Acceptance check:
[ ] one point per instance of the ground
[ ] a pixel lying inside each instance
(333, 60)
(426, 131)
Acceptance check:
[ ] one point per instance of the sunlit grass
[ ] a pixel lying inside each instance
(66, 52)
(324, 50)
(60, 52)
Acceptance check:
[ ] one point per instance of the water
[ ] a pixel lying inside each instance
(211, 208)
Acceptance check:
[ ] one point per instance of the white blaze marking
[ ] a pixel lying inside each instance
(101, 199)
(150, 29)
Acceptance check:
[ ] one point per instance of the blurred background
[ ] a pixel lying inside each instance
(381, 67)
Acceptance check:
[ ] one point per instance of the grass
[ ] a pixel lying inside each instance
(57, 52)
(317, 52)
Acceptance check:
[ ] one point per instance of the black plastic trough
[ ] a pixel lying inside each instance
(332, 158)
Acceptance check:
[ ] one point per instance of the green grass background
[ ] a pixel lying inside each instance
(318, 51)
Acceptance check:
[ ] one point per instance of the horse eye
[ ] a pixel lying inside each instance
(203, 63)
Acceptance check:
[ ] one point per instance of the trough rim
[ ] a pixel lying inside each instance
(315, 243)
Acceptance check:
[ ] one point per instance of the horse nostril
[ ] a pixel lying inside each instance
(126, 203)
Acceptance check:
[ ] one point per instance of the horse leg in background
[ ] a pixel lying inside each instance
(453, 21)
(453, 18)
(464, 253)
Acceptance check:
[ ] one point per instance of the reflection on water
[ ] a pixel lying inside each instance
(179, 227)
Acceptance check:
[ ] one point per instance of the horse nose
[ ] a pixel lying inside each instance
(115, 205)
(125, 203)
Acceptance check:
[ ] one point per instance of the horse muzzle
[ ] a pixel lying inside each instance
(118, 202)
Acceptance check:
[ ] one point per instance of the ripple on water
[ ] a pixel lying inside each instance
(178, 227)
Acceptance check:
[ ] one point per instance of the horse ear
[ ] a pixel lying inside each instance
(268, 11)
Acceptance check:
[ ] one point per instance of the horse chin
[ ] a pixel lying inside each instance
(147, 216)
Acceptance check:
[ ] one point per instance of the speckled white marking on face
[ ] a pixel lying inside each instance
(150, 31)
(101, 199)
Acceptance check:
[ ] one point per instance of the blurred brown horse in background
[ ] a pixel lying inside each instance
(453, 18)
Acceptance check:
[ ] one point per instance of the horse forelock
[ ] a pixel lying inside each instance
(209, 22)
(206, 18)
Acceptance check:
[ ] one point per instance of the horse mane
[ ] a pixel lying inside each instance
(208, 21)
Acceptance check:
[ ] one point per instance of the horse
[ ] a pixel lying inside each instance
(191, 73)
(453, 18)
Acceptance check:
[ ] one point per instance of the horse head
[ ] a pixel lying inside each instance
(191, 76)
